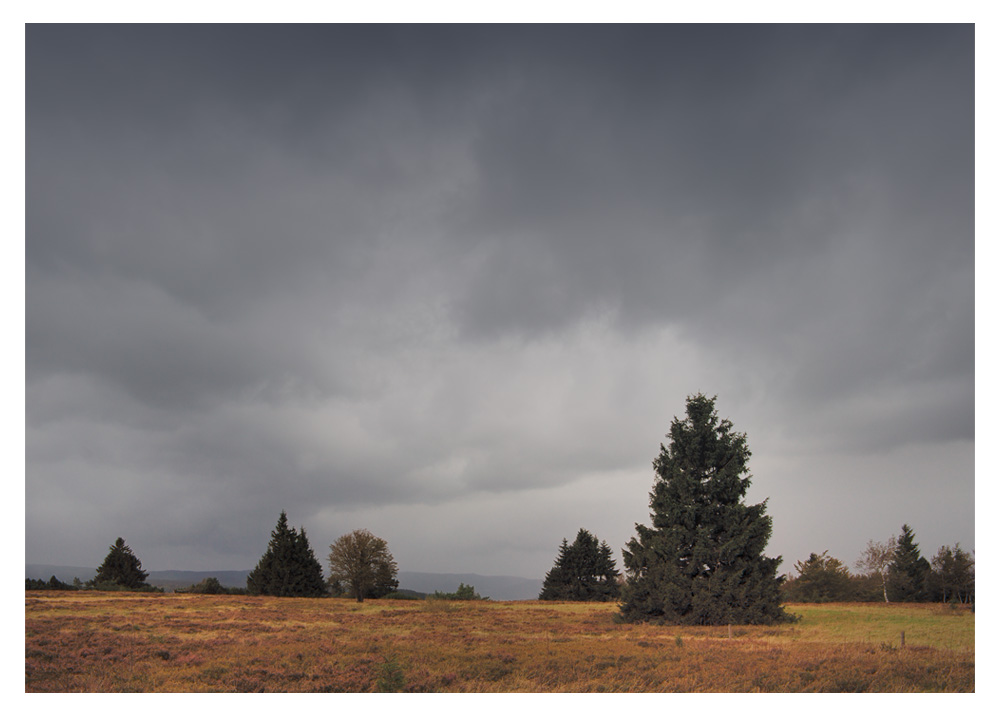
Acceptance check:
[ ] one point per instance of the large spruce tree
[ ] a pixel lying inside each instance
(288, 568)
(121, 567)
(584, 572)
(702, 561)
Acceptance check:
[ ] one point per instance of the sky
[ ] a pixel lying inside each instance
(452, 284)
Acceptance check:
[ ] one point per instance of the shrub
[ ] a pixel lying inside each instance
(210, 585)
(465, 592)
(391, 678)
(111, 586)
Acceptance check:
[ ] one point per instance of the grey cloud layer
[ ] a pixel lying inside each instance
(402, 265)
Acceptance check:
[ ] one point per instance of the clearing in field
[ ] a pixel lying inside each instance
(86, 641)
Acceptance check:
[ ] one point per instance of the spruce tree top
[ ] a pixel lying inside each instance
(705, 464)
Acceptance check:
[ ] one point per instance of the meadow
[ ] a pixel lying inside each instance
(114, 642)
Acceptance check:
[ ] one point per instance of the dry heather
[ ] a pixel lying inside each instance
(80, 641)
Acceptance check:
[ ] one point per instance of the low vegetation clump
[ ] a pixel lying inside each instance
(112, 642)
(53, 584)
(210, 585)
(464, 593)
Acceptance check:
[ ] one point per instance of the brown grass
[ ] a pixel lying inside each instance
(80, 641)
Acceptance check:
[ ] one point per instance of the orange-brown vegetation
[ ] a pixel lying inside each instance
(85, 641)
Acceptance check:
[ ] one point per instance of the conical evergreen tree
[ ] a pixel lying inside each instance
(556, 580)
(289, 567)
(702, 560)
(821, 578)
(309, 571)
(908, 572)
(583, 572)
(610, 577)
(121, 567)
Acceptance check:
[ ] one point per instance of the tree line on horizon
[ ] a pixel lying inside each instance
(890, 571)
(701, 561)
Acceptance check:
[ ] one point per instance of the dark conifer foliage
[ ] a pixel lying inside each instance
(53, 584)
(821, 578)
(584, 572)
(909, 572)
(289, 568)
(121, 568)
(953, 576)
(702, 561)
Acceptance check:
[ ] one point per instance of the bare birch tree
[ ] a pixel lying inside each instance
(875, 560)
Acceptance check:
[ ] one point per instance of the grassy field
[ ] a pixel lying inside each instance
(108, 642)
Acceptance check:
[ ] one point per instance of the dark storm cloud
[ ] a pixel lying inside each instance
(336, 268)
(695, 169)
(817, 212)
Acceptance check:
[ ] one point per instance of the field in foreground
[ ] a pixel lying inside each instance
(80, 641)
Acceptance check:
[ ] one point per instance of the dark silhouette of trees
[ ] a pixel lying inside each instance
(953, 576)
(210, 585)
(905, 576)
(583, 572)
(361, 565)
(53, 585)
(821, 578)
(464, 593)
(702, 560)
(288, 568)
(908, 571)
(120, 569)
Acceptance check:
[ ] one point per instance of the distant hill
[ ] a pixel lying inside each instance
(497, 588)
(170, 579)
(501, 589)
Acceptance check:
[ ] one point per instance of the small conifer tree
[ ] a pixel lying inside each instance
(583, 572)
(821, 578)
(289, 567)
(121, 568)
